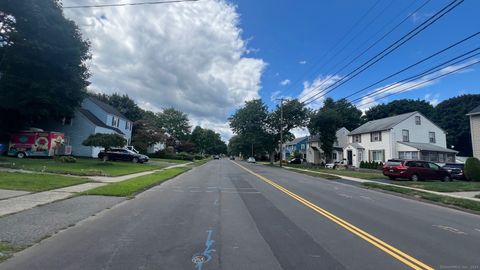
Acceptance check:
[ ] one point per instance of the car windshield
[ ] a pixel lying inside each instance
(394, 163)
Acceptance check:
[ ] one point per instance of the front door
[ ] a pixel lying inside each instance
(350, 157)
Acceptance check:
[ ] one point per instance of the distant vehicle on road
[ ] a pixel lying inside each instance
(232, 158)
(122, 155)
(415, 170)
(295, 161)
(455, 170)
(251, 160)
(216, 157)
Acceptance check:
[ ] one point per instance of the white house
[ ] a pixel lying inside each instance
(405, 136)
(315, 154)
(475, 130)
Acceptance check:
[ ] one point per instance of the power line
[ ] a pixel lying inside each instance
(371, 46)
(423, 82)
(422, 74)
(415, 64)
(388, 50)
(130, 4)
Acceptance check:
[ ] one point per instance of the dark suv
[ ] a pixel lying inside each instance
(455, 170)
(122, 154)
(415, 170)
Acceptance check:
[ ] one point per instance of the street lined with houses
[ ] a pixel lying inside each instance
(259, 217)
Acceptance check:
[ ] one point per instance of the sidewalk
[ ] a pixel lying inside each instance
(458, 195)
(16, 201)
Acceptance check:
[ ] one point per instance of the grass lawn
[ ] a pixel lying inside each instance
(132, 186)
(357, 174)
(455, 186)
(7, 250)
(176, 161)
(463, 203)
(315, 174)
(83, 166)
(36, 182)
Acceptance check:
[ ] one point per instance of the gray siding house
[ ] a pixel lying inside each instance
(475, 130)
(94, 116)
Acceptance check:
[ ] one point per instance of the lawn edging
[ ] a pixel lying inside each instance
(133, 186)
(444, 200)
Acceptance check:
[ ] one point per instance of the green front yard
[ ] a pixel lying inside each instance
(36, 182)
(132, 186)
(83, 166)
(455, 186)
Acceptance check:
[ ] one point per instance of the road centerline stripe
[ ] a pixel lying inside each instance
(392, 251)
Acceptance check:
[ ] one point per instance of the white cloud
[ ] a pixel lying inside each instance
(285, 82)
(432, 99)
(300, 132)
(396, 88)
(189, 56)
(313, 89)
(303, 62)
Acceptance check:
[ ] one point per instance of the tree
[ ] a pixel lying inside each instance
(175, 123)
(472, 169)
(43, 66)
(146, 134)
(399, 106)
(105, 140)
(239, 145)
(350, 116)
(326, 122)
(451, 116)
(207, 141)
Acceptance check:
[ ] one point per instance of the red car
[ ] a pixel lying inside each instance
(415, 170)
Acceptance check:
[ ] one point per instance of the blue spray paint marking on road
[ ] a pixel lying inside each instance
(200, 258)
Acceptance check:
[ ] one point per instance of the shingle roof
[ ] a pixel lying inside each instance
(92, 118)
(296, 140)
(475, 111)
(428, 147)
(109, 109)
(381, 124)
(314, 138)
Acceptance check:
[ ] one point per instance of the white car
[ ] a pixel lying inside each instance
(251, 160)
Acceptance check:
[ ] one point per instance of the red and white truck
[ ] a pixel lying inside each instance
(37, 143)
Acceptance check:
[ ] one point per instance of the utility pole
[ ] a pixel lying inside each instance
(281, 130)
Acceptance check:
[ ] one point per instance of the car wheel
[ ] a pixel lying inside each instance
(391, 177)
(21, 155)
(414, 178)
(135, 160)
(447, 178)
(105, 158)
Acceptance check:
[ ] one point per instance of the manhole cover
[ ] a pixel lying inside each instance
(199, 259)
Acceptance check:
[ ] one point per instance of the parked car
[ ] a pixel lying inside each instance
(251, 160)
(232, 158)
(415, 170)
(332, 165)
(295, 161)
(122, 155)
(455, 170)
(216, 157)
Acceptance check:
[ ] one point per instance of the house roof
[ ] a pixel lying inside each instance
(428, 147)
(381, 124)
(92, 118)
(475, 111)
(296, 141)
(109, 109)
(314, 138)
(356, 145)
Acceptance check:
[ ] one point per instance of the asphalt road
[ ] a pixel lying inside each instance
(225, 216)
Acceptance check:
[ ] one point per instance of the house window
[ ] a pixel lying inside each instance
(360, 155)
(376, 136)
(377, 155)
(334, 156)
(408, 155)
(127, 125)
(302, 146)
(67, 121)
(431, 137)
(357, 138)
(115, 121)
(405, 135)
(418, 121)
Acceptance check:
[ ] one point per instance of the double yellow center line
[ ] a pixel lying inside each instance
(397, 254)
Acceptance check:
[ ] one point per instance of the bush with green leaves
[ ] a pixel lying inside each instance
(472, 169)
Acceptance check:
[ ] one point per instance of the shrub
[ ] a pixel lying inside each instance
(362, 164)
(198, 157)
(66, 159)
(472, 169)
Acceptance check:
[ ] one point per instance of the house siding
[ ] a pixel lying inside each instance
(475, 132)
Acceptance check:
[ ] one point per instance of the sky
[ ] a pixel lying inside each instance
(207, 58)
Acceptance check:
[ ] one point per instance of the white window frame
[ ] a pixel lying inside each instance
(405, 133)
(432, 139)
(376, 136)
(355, 137)
(377, 152)
(418, 120)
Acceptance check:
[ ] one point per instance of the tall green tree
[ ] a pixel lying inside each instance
(399, 106)
(326, 122)
(451, 116)
(175, 123)
(43, 64)
(350, 116)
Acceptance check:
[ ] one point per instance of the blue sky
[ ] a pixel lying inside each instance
(292, 37)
